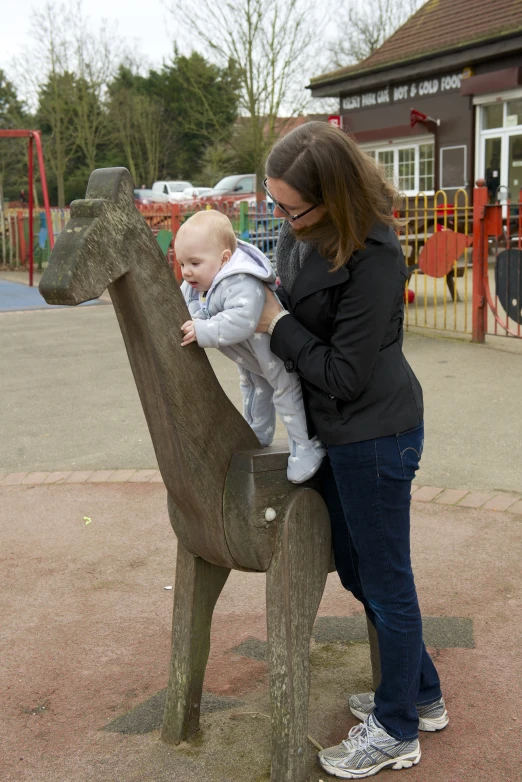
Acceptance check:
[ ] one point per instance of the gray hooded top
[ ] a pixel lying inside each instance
(232, 307)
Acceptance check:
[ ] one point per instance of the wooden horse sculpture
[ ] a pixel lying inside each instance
(229, 502)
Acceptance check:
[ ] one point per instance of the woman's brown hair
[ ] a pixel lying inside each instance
(326, 166)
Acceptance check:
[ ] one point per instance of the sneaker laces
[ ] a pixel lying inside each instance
(358, 737)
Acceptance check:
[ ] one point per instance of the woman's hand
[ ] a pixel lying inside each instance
(271, 309)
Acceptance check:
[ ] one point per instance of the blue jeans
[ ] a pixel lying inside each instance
(367, 488)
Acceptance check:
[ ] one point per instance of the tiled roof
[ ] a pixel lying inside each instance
(437, 26)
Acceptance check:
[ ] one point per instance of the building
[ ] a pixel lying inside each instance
(439, 104)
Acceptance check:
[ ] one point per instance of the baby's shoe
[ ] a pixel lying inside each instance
(304, 460)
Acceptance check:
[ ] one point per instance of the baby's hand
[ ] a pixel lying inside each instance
(189, 331)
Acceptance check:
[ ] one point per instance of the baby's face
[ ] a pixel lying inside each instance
(200, 257)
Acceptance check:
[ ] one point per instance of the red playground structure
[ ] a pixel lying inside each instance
(34, 136)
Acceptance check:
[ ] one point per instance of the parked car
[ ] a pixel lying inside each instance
(172, 189)
(146, 197)
(196, 192)
(233, 188)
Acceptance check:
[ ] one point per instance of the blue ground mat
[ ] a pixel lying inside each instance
(17, 296)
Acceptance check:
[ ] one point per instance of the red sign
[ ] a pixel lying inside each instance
(417, 116)
(335, 119)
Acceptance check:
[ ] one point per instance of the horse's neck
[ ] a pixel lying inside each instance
(183, 402)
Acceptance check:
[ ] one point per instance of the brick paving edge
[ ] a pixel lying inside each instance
(46, 478)
(463, 498)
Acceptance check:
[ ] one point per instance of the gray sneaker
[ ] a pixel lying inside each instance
(367, 750)
(432, 716)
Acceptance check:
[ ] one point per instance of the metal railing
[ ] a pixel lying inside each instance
(252, 221)
(436, 239)
(14, 235)
(497, 290)
(464, 262)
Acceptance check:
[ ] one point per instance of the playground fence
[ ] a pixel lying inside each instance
(252, 221)
(14, 235)
(497, 285)
(436, 237)
(464, 261)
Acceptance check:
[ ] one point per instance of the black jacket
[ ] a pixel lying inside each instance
(344, 339)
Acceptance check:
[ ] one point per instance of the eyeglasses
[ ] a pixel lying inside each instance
(282, 209)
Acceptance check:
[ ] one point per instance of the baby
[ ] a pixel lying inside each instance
(223, 286)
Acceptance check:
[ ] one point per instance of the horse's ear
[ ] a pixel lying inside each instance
(111, 184)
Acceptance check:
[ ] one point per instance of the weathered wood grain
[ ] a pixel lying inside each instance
(198, 586)
(375, 657)
(107, 243)
(256, 483)
(295, 584)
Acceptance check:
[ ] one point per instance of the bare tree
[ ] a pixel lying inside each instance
(138, 130)
(65, 74)
(56, 116)
(364, 25)
(271, 43)
(96, 55)
(46, 73)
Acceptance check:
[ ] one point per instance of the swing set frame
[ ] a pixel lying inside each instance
(34, 139)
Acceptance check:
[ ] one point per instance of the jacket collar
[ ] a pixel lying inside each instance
(379, 233)
(315, 274)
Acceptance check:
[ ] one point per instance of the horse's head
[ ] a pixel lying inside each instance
(91, 252)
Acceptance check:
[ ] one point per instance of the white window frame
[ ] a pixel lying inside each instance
(407, 143)
(503, 132)
(441, 169)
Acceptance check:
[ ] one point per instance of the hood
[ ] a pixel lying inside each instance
(247, 259)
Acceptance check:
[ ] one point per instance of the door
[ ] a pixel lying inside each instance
(493, 166)
(514, 177)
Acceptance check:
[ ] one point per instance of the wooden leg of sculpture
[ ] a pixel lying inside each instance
(374, 654)
(295, 584)
(198, 586)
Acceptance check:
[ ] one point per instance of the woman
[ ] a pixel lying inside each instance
(343, 274)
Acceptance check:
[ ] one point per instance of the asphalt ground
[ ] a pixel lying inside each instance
(69, 401)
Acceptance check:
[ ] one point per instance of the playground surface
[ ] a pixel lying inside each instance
(86, 633)
(87, 553)
(15, 296)
(69, 401)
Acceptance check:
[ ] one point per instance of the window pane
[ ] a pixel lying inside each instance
(426, 167)
(407, 169)
(385, 158)
(514, 113)
(492, 116)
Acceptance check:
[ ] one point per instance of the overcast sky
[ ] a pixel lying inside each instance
(144, 24)
(146, 28)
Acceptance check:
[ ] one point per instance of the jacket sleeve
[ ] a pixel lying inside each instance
(242, 302)
(192, 302)
(283, 297)
(344, 367)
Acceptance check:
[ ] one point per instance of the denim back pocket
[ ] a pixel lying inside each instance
(411, 444)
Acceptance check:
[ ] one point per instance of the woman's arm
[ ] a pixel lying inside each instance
(271, 309)
(344, 367)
